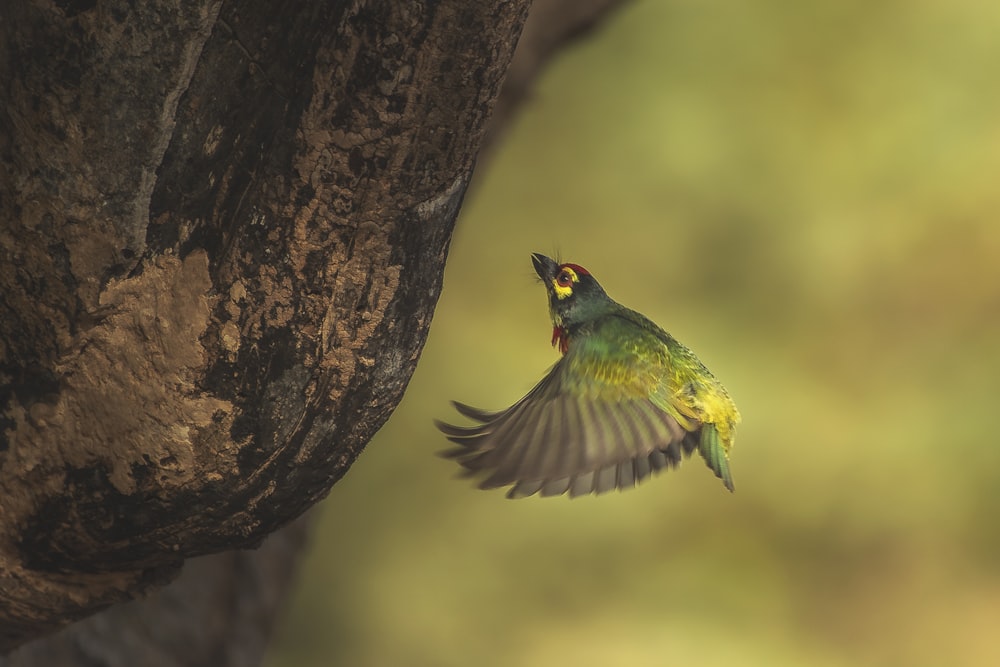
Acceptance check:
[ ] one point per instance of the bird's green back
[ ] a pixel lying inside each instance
(623, 355)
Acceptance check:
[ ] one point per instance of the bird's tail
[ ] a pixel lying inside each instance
(713, 451)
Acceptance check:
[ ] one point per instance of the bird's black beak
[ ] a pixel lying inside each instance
(545, 267)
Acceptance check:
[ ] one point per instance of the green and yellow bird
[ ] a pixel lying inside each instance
(624, 401)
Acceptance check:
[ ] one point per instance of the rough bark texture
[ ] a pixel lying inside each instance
(223, 230)
(224, 226)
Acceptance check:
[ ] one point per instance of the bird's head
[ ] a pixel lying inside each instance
(574, 295)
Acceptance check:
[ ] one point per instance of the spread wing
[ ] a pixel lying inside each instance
(601, 419)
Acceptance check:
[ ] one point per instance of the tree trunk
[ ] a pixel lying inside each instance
(223, 233)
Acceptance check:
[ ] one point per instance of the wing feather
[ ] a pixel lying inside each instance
(626, 474)
(642, 468)
(556, 487)
(525, 488)
(605, 479)
(532, 439)
(547, 454)
(475, 414)
(595, 441)
(571, 445)
(582, 485)
(597, 421)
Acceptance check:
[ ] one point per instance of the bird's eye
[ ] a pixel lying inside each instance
(564, 279)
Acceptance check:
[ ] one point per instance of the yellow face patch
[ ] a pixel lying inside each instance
(563, 283)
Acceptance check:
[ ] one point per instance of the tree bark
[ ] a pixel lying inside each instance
(224, 227)
(223, 234)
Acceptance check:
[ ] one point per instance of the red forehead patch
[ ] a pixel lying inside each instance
(576, 267)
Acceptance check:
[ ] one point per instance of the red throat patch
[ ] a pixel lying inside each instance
(560, 339)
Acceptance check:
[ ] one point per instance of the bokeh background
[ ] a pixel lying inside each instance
(807, 194)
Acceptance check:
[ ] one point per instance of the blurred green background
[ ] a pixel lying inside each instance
(804, 193)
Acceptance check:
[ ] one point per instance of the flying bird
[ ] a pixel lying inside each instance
(624, 401)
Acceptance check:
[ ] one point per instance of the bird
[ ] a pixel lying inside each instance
(624, 401)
